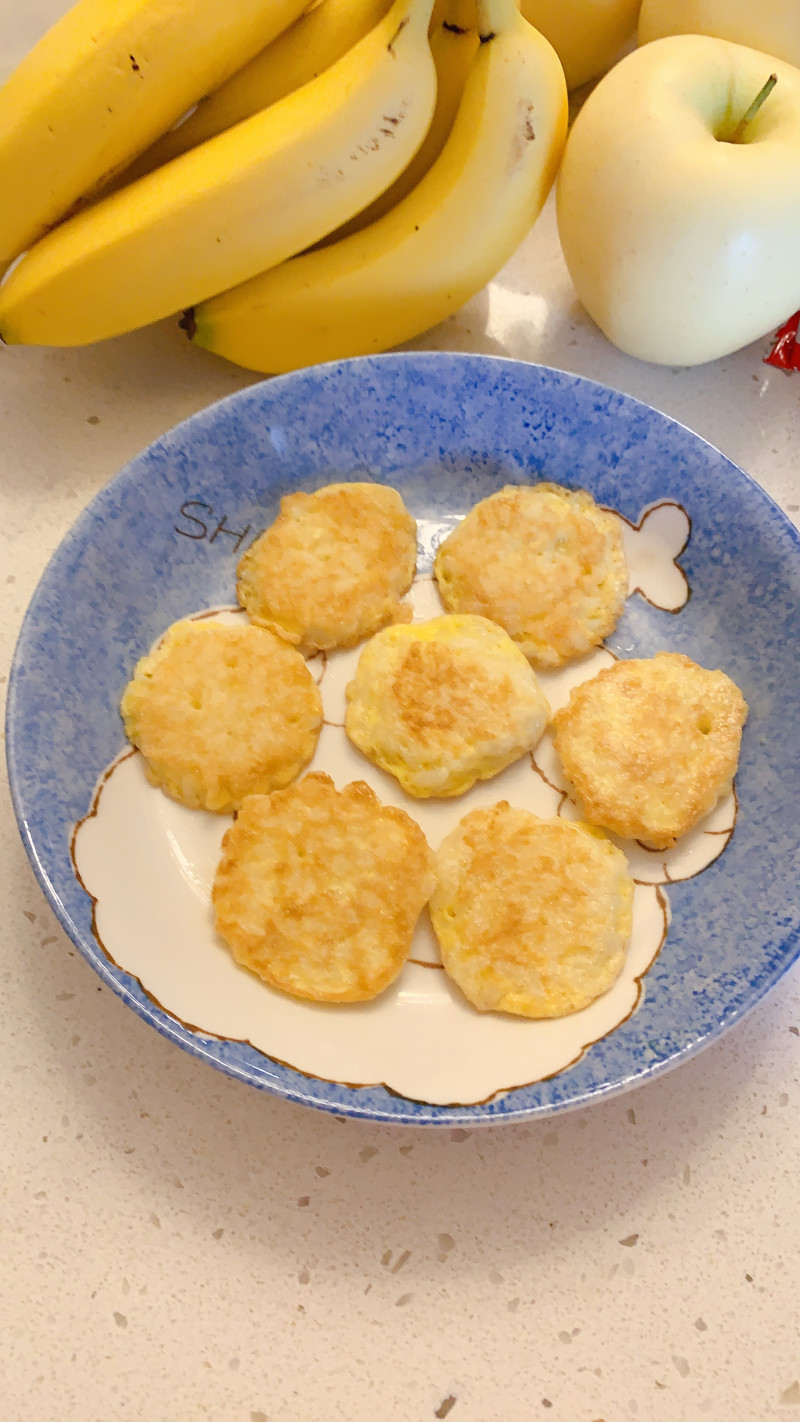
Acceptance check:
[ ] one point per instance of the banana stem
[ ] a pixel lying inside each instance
(495, 16)
(739, 132)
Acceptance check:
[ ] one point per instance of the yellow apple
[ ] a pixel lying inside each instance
(587, 35)
(771, 25)
(683, 245)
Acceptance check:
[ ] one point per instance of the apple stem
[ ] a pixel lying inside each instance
(764, 93)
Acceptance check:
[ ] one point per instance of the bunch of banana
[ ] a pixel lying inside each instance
(347, 176)
(246, 199)
(425, 257)
(102, 84)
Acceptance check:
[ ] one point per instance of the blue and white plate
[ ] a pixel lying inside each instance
(715, 573)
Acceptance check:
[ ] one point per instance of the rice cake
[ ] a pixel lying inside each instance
(544, 562)
(533, 917)
(444, 703)
(318, 890)
(332, 568)
(651, 744)
(220, 712)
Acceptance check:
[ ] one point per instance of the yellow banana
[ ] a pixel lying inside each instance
(434, 250)
(454, 41)
(310, 46)
(102, 84)
(245, 200)
(588, 35)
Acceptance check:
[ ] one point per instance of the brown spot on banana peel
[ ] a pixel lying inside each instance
(523, 134)
(373, 145)
(188, 324)
(398, 31)
(454, 29)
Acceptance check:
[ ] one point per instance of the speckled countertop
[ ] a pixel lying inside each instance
(179, 1246)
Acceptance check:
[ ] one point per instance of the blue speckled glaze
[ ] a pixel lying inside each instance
(446, 430)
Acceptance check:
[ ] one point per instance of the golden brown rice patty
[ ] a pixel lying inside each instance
(318, 890)
(651, 744)
(333, 566)
(543, 561)
(220, 712)
(444, 703)
(533, 916)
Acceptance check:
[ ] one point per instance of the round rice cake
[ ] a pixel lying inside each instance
(220, 712)
(333, 566)
(318, 890)
(444, 703)
(543, 561)
(532, 916)
(651, 744)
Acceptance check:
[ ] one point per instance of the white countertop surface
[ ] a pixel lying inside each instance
(177, 1245)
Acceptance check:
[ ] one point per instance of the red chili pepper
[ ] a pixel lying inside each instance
(785, 353)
